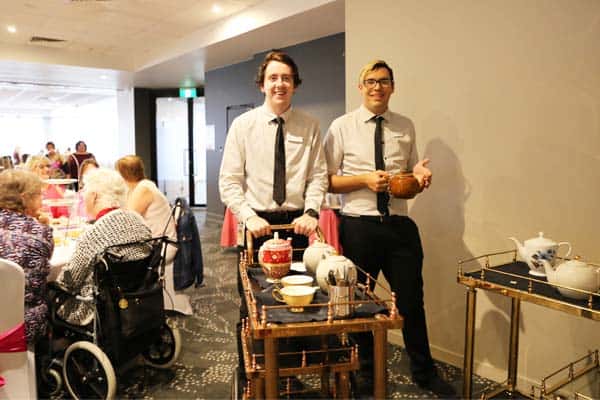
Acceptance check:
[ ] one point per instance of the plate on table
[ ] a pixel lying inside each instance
(60, 181)
(64, 202)
(298, 267)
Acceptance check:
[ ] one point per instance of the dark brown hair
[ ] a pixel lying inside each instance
(282, 57)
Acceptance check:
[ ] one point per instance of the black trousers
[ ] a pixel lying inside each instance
(298, 241)
(393, 246)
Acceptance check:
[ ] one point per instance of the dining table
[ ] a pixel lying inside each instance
(66, 234)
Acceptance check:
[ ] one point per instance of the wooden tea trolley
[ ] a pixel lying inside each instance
(511, 278)
(270, 327)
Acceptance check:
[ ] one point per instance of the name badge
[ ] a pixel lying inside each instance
(294, 139)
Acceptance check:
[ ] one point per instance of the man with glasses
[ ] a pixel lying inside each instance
(273, 169)
(364, 148)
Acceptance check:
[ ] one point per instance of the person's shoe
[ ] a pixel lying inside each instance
(438, 386)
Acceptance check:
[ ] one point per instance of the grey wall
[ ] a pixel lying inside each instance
(321, 94)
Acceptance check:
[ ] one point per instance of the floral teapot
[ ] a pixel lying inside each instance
(574, 274)
(533, 250)
(342, 268)
(275, 257)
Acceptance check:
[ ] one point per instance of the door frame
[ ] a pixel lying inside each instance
(145, 131)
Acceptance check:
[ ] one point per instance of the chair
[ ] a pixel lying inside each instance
(17, 368)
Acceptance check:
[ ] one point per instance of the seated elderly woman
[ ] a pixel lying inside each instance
(104, 196)
(146, 199)
(26, 242)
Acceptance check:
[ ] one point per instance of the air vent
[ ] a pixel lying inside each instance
(47, 41)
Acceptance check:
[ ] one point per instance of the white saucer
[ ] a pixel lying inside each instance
(298, 267)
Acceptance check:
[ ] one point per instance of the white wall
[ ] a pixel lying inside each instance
(505, 96)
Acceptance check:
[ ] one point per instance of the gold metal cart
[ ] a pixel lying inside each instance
(512, 279)
(263, 368)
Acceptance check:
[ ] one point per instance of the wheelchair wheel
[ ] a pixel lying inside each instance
(88, 372)
(165, 350)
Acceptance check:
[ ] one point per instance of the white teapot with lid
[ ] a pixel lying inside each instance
(343, 269)
(574, 274)
(534, 250)
(315, 253)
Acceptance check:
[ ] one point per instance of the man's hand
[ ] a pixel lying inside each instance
(305, 225)
(422, 173)
(258, 226)
(377, 181)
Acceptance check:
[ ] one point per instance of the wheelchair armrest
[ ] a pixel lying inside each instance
(54, 285)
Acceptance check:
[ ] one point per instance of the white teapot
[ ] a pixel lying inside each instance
(343, 269)
(315, 253)
(574, 274)
(533, 250)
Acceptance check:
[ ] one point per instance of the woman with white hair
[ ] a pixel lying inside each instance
(104, 196)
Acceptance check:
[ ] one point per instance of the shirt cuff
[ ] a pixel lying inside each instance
(246, 212)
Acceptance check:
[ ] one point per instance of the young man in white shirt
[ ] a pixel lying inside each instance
(364, 148)
(273, 169)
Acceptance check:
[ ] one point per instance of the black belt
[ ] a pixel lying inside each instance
(380, 219)
(282, 215)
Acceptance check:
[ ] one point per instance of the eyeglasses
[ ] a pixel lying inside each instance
(384, 82)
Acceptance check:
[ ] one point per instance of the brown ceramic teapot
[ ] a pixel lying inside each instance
(404, 185)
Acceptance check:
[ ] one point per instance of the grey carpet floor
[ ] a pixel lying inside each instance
(204, 369)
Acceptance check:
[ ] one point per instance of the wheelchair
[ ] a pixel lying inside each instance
(129, 321)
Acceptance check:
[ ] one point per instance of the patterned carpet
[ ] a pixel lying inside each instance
(205, 366)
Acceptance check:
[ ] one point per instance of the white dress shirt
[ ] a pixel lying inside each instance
(246, 176)
(350, 151)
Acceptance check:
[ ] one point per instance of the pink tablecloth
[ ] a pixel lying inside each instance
(328, 221)
(229, 230)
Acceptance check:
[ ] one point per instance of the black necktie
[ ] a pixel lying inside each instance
(382, 197)
(279, 167)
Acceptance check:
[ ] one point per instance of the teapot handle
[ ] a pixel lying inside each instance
(568, 245)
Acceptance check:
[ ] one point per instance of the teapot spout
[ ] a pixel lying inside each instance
(519, 246)
(548, 268)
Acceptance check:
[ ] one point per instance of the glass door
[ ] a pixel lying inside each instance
(172, 169)
(181, 148)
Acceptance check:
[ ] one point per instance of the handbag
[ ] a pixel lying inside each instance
(141, 311)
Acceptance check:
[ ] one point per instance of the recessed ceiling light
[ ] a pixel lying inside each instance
(216, 8)
(11, 28)
(103, 77)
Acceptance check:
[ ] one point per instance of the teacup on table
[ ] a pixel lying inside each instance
(295, 296)
(297, 280)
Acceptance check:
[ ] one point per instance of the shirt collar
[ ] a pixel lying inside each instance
(366, 115)
(270, 115)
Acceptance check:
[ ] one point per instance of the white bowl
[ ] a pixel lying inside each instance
(297, 280)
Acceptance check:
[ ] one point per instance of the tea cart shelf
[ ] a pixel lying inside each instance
(263, 366)
(501, 273)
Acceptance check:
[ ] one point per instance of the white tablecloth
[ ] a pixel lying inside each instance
(61, 256)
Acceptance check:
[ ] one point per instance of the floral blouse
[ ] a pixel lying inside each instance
(27, 242)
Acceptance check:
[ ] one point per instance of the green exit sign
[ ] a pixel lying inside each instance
(187, 92)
